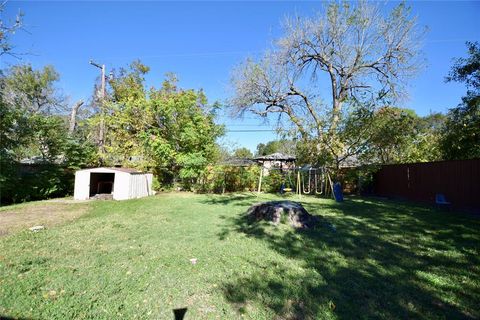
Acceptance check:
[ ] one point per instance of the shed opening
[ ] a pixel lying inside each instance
(101, 183)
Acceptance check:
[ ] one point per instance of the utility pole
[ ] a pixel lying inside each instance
(101, 134)
(102, 68)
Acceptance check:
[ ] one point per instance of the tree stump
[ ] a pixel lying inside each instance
(283, 211)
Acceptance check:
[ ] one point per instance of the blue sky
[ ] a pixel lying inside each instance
(202, 41)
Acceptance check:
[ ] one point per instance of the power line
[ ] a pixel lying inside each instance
(253, 130)
(246, 125)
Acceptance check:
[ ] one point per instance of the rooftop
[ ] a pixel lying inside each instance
(276, 156)
(127, 170)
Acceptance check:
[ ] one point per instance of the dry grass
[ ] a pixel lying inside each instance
(44, 213)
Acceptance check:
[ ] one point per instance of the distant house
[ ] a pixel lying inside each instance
(276, 160)
(115, 183)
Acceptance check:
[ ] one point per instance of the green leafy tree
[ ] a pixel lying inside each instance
(33, 126)
(182, 138)
(282, 146)
(169, 130)
(426, 145)
(243, 153)
(461, 138)
(33, 91)
(393, 135)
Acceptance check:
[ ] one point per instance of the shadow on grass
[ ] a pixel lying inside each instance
(386, 260)
(242, 199)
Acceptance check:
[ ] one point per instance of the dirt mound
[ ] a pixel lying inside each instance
(289, 212)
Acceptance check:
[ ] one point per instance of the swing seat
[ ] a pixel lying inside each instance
(287, 189)
(441, 201)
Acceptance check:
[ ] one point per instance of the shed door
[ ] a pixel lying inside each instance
(82, 185)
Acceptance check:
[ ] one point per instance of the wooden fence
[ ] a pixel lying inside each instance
(458, 181)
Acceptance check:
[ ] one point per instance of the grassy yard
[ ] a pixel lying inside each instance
(130, 259)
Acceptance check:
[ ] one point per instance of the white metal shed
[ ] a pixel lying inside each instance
(121, 183)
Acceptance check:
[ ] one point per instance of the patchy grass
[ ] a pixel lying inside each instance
(46, 213)
(130, 259)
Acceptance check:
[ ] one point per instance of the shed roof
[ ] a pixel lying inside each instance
(126, 170)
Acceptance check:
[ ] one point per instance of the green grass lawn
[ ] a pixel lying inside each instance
(130, 259)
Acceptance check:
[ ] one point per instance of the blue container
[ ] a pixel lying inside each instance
(338, 192)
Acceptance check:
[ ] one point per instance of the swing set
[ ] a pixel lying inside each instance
(308, 180)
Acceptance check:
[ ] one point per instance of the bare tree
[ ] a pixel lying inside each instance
(362, 55)
(73, 116)
(6, 30)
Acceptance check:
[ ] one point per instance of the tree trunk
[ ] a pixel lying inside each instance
(73, 116)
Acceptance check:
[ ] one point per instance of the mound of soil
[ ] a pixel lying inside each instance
(290, 212)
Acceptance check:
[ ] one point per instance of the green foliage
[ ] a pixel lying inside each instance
(282, 146)
(273, 181)
(34, 182)
(127, 84)
(467, 70)
(462, 131)
(461, 138)
(183, 138)
(394, 135)
(27, 102)
(78, 154)
(156, 184)
(219, 179)
(169, 130)
(392, 130)
(32, 90)
(243, 153)
(358, 180)
(31, 127)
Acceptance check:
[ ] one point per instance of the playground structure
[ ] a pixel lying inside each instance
(241, 176)
(305, 180)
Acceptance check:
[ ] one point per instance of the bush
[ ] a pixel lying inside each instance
(359, 180)
(156, 186)
(273, 181)
(220, 179)
(22, 183)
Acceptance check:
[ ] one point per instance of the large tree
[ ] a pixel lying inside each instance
(33, 125)
(28, 107)
(33, 90)
(462, 130)
(397, 135)
(363, 56)
(168, 129)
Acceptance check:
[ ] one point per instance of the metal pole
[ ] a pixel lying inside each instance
(260, 180)
(299, 187)
(101, 133)
(102, 108)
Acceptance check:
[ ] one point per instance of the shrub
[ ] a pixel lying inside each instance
(22, 183)
(273, 181)
(220, 179)
(358, 180)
